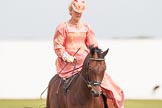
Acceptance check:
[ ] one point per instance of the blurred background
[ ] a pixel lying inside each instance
(132, 29)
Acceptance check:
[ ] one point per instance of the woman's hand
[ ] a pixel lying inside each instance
(67, 57)
(70, 59)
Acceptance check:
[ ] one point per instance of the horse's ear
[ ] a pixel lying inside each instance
(105, 52)
(91, 47)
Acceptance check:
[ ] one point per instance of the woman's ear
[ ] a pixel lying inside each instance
(70, 12)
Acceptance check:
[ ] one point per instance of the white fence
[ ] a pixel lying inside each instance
(27, 66)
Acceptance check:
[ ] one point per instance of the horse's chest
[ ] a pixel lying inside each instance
(86, 103)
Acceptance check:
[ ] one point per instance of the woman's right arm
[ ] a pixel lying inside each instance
(59, 44)
(58, 41)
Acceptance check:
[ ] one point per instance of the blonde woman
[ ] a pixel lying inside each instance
(72, 35)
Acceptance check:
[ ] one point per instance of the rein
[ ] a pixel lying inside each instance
(61, 71)
(68, 62)
(90, 84)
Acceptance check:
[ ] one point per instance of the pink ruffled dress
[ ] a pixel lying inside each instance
(69, 38)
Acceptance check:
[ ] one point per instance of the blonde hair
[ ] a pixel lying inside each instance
(70, 7)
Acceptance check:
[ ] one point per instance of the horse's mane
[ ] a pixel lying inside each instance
(93, 50)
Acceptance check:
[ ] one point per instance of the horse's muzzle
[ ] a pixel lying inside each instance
(95, 88)
(96, 93)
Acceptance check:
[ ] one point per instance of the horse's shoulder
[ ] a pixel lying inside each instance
(54, 78)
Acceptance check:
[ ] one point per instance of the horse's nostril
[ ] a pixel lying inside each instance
(96, 93)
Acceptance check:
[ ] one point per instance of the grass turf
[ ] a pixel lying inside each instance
(37, 103)
(22, 103)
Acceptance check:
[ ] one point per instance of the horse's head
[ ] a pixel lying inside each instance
(94, 68)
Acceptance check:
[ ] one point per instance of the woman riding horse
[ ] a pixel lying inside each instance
(82, 90)
(74, 35)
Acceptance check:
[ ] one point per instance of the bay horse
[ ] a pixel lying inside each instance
(82, 90)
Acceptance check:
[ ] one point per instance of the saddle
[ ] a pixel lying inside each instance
(68, 82)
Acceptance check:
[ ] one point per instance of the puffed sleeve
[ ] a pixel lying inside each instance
(90, 37)
(59, 39)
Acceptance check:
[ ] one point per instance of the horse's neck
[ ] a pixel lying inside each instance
(83, 85)
(80, 93)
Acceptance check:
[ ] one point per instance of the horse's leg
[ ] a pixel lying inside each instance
(105, 101)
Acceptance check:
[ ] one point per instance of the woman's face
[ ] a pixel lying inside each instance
(76, 16)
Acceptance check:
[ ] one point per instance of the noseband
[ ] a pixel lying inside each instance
(91, 84)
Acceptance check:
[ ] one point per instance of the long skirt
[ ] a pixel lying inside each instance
(113, 93)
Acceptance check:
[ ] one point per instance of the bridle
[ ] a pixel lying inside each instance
(91, 84)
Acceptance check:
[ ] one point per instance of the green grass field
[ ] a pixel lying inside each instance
(37, 103)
